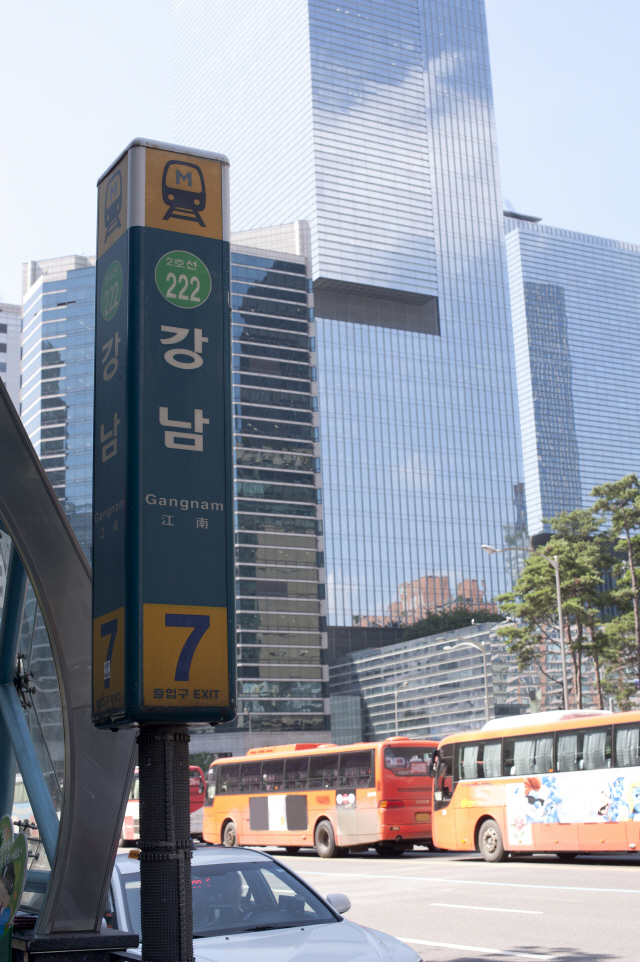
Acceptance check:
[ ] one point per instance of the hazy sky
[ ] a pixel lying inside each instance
(81, 79)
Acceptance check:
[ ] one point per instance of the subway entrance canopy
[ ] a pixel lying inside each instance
(76, 777)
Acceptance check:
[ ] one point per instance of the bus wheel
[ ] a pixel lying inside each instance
(292, 849)
(229, 835)
(325, 840)
(490, 842)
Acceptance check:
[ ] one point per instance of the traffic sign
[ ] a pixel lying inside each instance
(163, 582)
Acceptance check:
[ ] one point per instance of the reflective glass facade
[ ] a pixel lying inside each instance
(57, 379)
(280, 615)
(575, 302)
(376, 128)
(438, 691)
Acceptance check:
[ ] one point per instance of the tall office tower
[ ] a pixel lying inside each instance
(575, 302)
(57, 378)
(373, 125)
(279, 574)
(10, 323)
(280, 617)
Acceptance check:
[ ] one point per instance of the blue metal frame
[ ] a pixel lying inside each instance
(16, 742)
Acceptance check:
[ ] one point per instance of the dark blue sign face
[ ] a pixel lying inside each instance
(163, 639)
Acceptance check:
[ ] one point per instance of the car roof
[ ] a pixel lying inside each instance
(202, 856)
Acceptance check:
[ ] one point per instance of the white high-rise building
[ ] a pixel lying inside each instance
(10, 321)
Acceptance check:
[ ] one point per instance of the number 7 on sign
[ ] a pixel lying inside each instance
(200, 625)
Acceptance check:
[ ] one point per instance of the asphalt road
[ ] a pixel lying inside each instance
(457, 908)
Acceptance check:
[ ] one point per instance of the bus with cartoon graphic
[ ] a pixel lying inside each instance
(557, 781)
(333, 798)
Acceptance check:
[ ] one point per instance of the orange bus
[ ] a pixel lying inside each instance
(556, 781)
(332, 797)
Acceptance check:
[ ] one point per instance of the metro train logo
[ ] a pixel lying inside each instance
(183, 191)
(113, 204)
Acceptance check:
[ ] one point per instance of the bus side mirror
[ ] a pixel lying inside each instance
(433, 764)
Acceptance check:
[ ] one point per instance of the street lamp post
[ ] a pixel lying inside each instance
(405, 684)
(480, 646)
(555, 564)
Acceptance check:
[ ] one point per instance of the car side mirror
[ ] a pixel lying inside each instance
(340, 903)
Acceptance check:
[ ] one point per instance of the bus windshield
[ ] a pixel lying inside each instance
(407, 761)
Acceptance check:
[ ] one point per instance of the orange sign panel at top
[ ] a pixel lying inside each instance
(183, 194)
(112, 206)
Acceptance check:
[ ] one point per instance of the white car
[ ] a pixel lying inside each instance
(248, 905)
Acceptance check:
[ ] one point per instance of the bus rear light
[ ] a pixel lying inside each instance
(391, 803)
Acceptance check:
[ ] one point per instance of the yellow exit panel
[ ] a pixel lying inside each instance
(108, 663)
(185, 660)
(183, 194)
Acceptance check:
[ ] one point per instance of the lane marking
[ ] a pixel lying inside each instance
(461, 881)
(483, 908)
(477, 948)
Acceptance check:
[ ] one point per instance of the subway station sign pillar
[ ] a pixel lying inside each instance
(163, 588)
(163, 580)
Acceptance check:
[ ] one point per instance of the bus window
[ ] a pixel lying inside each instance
(407, 761)
(211, 786)
(356, 770)
(272, 774)
(229, 783)
(596, 749)
(195, 783)
(627, 746)
(443, 782)
(528, 756)
(480, 760)
(250, 777)
(295, 773)
(567, 752)
(323, 771)
(587, 749)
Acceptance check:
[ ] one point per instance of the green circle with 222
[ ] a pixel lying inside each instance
(183, 279)
(111, 293)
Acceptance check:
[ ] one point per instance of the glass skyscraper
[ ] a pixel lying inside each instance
(575, 302)
(280, 613)
(372, 126)
(57, 379)
(280, 590)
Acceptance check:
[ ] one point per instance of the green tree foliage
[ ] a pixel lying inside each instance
(458, 617)
(599, 554)
(618, 507)
(582, 557)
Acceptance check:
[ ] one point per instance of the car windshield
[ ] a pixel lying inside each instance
(407, 761)
(242, 897)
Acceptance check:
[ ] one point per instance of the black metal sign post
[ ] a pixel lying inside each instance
(163, 587)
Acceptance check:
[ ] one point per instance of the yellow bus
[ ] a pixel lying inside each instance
(557, 781)
(332, 797)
